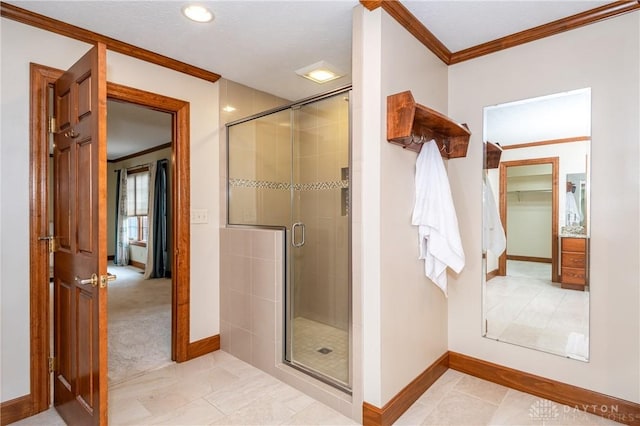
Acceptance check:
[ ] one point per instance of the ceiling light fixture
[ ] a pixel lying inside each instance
(320, 72)
(197, 13)
(228, 108)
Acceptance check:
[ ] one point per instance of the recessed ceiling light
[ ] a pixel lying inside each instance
(197, 13)
(320, 72)
(228, 108)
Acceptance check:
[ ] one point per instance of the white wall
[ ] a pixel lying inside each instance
(404, 313)
(606, 57)
(366, 110)
(413, 309)
(23, 44)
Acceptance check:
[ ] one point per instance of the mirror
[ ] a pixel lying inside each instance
(536, 223)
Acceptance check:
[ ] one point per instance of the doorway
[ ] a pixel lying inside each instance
(139, 146)
(529, 215)
(42, 79)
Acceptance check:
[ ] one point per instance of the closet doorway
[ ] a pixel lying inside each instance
(529, 213)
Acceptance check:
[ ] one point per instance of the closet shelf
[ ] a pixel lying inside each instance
(410, 124)
(493, 152)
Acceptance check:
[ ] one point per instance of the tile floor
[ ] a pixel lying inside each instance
(219, 389)
(527, 309)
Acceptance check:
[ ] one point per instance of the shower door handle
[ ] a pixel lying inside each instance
(293, 234)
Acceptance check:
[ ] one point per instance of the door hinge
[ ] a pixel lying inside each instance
(52, 125)
(53, 364)
(53, 243)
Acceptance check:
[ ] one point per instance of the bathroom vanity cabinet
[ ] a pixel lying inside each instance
(573, 261)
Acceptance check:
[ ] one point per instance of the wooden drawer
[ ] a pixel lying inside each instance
(574, 244)
(573, 260)
(573, 276)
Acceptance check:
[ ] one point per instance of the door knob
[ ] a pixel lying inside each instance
(105, 279)
(93, 280)
(71, 134)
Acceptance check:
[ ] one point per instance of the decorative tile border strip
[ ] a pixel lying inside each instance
(316, 186)
(248, 183)
(338, 184)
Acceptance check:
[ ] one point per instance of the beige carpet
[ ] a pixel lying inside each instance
(139, 323)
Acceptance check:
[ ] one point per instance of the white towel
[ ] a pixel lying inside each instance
(577, 346)
(574, 217)
(493, 237)
(435, 216)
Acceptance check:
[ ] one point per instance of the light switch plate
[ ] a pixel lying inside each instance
(199, 216)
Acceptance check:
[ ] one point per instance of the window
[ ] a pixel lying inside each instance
(138, 205)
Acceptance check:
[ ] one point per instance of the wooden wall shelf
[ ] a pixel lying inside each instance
(408, 123)
(493, 152)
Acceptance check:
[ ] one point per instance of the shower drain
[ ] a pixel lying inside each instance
(325, 351)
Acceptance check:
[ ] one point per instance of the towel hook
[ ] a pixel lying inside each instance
(444, 149)
(418, 140)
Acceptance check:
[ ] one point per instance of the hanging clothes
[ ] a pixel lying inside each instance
(434, 214)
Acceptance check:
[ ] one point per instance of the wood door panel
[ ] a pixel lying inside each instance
(63, 325)
(84, 331)
(84, 193)
(63, 110)
(84, 97)
(62, 212)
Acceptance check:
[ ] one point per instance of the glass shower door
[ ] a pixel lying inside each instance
(319, 302)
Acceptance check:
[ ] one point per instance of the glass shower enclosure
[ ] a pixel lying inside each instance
(289, 168)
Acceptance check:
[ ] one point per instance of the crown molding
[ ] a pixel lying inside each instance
(552, 28)
(405, 18)
(62, 28)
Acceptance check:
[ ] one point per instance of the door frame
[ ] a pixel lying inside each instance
(554, 162)
(42, 78)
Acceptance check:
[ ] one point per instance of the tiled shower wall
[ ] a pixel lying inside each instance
(260, 171)
(251, 294)
(252, 313)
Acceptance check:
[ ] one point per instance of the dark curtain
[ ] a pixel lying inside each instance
(115, 239)
(161, 265)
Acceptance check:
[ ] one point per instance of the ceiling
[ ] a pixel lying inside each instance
(565, 115)
(260, 43)
(132, 129)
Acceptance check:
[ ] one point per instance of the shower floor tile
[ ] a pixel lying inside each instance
(322, 348)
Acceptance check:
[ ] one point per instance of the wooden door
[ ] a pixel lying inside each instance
(79, 204)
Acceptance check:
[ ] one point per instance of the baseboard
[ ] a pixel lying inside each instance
(492, 274)
(392, 410)
(529, 258)
(15, 409)
(139, 265)
(583, 399)
(203, 346)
